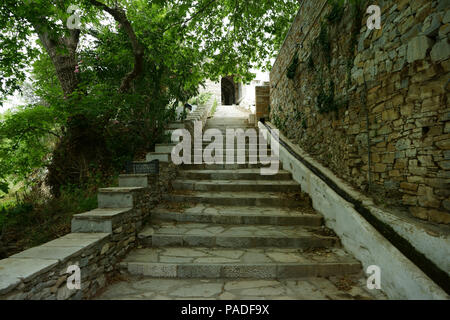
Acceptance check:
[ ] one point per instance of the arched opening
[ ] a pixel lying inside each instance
(228, 91)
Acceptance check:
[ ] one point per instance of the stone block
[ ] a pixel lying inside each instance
(418, 47)
(117, 197)
(390, 115)
(439, 216)
(443, 144)
(14, 269)
(409, 186)
(380, 167)
(51, 253)
(418, 212)
(440, 51)
(431, 25)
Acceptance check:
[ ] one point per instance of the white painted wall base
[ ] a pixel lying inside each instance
(400, 278)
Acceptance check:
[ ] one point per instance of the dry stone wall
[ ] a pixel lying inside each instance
(351, 88)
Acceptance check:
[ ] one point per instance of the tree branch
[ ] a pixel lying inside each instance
(138, 49)
(191, 17)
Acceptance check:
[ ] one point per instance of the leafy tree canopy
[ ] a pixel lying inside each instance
(106, 88)
(219, 37)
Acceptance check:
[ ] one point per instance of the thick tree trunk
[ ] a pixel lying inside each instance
(65, 70)
(62, 52)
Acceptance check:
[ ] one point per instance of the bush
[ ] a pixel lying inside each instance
(201, 99)
(37, 217)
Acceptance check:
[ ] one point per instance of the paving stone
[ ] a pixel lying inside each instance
(199, 271)
(200, 290)
(49, 252)
(270, 291)
(249, 271)
(246, 284)
(24, 268)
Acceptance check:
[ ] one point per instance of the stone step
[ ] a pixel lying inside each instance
(170, 234)
(237, 215)
(136, 180)
(118, 197)
(238, 146)
(269, 199)
(227, 121)
(238, 174)
(176, 125)
(218, 167)
(249, 263)
(161, 156)
(223, 128)
(167, 148)
(164, 148)
(103, 220)
(236, 185)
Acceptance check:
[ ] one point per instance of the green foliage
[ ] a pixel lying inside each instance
(337, 11)
(298, 115)
(95, 127)
(304, 124)
(326, 100)
(35, 217)
(201, 99)
(324, 42)
(292, 68)
(310, 64)
(278, 122)
(214, 107)
(26, 138)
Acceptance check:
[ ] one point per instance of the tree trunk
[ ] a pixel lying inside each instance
(62, 52)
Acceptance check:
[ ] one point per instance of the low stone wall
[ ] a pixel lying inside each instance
(41, 272)
(400, 278)
(99, 240)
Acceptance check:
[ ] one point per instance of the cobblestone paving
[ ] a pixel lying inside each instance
(335, 288)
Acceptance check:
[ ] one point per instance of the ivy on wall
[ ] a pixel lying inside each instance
(292, 68)
(319, 64)
(321, 55)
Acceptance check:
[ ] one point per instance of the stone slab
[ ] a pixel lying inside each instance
(49, 253)
(23, 269)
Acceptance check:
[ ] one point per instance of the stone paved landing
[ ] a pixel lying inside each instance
(334, 288)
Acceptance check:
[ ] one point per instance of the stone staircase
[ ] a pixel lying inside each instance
(226, 221)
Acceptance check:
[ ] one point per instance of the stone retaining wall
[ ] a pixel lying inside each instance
(400, 278)
(390, 92)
